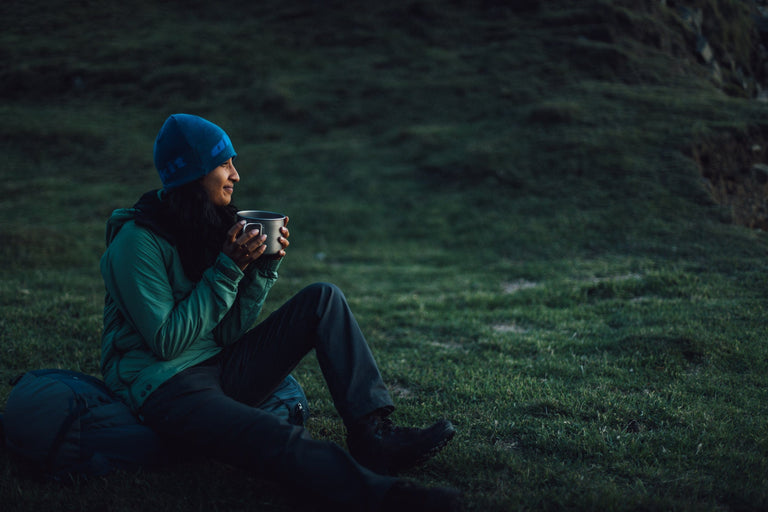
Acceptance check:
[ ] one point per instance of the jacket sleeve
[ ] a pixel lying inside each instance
(136, 273)
(252, 293)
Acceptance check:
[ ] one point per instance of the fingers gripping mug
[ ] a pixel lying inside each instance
(268, 223)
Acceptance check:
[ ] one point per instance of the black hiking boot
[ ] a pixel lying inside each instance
(376, 443)
(407, 497)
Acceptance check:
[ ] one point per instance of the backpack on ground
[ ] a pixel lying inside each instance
(289, 402)
(60, 422)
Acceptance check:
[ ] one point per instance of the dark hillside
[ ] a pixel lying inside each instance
(464, 93)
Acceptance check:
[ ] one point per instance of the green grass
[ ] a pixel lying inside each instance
(505, 194)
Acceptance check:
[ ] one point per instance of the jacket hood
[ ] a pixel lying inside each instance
(117, 220)
(144, 212)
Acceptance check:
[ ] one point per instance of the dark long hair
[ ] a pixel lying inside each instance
(201, 227)
(188, 219)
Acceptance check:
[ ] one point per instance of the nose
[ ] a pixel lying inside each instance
(233, 175)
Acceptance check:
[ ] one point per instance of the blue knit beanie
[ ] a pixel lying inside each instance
(189, 147)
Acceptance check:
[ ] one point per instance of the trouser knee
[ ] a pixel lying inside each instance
(324, 295)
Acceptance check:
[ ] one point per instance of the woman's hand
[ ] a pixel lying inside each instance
(245, 248)
(283, 240)
(249, 247)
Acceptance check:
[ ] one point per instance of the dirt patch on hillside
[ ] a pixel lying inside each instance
(735, 166)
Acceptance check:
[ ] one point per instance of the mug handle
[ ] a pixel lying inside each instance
(250, 225)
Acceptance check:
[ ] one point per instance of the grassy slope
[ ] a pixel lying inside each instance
(502, 193)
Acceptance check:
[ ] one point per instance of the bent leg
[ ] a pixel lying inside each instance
(192, 410)
(317, 317)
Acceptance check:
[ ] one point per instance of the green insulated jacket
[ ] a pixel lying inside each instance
(156, 321)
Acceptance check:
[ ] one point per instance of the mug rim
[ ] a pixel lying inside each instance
(260, 215)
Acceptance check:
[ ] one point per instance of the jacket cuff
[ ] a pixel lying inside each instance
(229, 268)
(266, 267)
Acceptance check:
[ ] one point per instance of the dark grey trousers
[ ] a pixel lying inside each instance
(210, 408)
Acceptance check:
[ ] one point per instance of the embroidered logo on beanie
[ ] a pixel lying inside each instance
(218, 148)
(188, 147)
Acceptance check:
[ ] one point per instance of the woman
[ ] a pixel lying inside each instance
(184, 288)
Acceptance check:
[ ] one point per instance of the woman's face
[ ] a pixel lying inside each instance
(220, 183)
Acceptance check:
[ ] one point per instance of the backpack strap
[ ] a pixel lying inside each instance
(76, 410)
